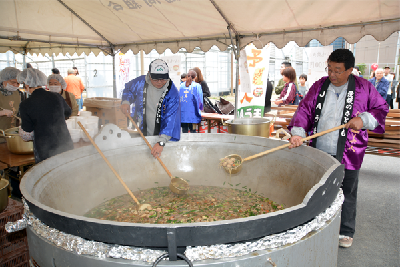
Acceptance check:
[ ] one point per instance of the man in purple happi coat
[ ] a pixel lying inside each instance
(341, 98)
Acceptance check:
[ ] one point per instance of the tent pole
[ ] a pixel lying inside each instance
(237, 76)
(114, 76)
(141, 62)
(232, 72)
(52, 59)
(24, 59)
(377, 59)
(237, 54)
(396, 59)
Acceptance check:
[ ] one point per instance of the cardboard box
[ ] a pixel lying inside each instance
(107, 109)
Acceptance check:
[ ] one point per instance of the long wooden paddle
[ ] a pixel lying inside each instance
(141, 207)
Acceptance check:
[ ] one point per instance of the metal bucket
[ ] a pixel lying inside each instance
(249, 126)
(15, 143)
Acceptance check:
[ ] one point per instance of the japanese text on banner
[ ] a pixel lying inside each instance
(253, 75)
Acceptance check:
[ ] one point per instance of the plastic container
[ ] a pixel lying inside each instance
(91, 125)
(82, 120)
(85, 113)
(93, 119)
(90, 132)
(73, 118)
(70, 123)
(75, 134)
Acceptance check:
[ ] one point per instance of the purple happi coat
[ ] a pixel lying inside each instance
(367, 99)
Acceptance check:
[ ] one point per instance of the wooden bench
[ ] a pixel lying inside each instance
(389, 142)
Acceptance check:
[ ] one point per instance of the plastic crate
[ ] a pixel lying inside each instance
(12, 213)
(13, 241)
(18, 258)
(13, 246)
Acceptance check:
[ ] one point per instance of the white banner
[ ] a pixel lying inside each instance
(317, 62)
(124, 66)
(253, 75)
(174, 65)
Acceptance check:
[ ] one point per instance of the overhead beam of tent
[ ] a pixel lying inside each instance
(61, 26)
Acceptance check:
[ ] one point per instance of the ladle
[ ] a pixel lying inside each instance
(237, 168)
(141, 207)
(177, 185)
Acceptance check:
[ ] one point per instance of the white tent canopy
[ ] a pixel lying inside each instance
(61, 26)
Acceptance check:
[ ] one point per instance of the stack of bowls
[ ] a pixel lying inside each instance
(82, 120)
(85, 113)
(92, 122)
(76, 134)
(70, 123)
(90, 132)
(92, 126)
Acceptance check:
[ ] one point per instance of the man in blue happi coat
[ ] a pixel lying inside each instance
(156, 96)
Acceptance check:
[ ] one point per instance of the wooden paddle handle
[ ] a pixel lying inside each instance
(148, 144)
(287, 145)
(108, 163)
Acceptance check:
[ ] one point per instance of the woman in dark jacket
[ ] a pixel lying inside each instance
(43, 117)
(202, 82)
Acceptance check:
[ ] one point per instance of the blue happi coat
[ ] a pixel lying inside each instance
(170, 111)
(191, 102)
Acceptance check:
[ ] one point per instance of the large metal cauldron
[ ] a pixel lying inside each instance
(61, 189)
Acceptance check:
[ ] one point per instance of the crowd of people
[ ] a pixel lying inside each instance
(383, 80)
(43, 104)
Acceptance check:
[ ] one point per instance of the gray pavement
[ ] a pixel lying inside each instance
(377, 238)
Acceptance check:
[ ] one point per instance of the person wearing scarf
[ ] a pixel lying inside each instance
(341, 98)
(156, 105)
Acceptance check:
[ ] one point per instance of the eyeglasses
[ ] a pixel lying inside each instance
(158, 80)
(334, 72)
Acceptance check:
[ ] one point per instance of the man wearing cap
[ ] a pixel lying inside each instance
(157, 106)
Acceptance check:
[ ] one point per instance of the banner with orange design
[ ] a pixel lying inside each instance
(253, 74)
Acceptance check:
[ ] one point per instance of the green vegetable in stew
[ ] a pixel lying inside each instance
(201, 204)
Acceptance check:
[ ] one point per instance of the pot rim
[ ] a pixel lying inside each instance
(6, 183)
(248, 121)
(11, 129)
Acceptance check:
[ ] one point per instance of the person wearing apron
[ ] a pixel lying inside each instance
(10, 98)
